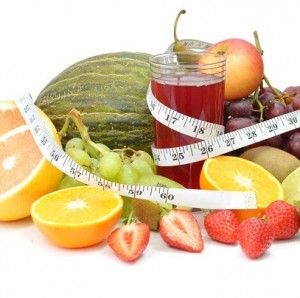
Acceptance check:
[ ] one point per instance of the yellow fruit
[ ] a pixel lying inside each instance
(291, 185)
(25, 174)
(238, 174)
(78, 216)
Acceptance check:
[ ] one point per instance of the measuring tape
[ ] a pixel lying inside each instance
(204, 199)
(184, 124)
(214, 143)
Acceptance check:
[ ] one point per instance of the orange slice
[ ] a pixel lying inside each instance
(238, 174)
(25, 174)
(10, 117)
(78, 216)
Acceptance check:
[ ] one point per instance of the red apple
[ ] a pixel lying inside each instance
(244, 67)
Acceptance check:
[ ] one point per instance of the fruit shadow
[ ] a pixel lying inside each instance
(16, 224)
(54, 249)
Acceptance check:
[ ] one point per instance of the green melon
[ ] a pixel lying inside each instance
(109, 91)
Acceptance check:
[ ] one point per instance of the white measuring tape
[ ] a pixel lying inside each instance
(184, 124)
(204, 199)
(212, 145)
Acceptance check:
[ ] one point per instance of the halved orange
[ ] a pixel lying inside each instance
(238, 174)
(10, 117)
(25, 174)
(77, 217)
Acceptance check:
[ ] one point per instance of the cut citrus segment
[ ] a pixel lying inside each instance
(238, 174)
(291, 186)
(25, 174)
(10, 117)
(78, 216)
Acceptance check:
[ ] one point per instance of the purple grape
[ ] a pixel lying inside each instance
(226, 110)
(240, 108)
(290, 108)
(287, 134)
(246, 112)
(291, 90)
(268, 89)
(274, 109)
(296, 102)
(254, 118)
(238, 123)
(290, 93)
(276, 141)
(293, 144)
(266, 97)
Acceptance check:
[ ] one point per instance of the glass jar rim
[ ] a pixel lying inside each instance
(171, 59)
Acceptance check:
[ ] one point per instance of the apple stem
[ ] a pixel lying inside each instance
(257, 43)
(183, 11)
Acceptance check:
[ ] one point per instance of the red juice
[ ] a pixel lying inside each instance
(194, 97)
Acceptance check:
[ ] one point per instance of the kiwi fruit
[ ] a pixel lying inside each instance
(150, 212)
(277, 161)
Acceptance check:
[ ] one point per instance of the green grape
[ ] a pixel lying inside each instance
(97, 173)
(79, 156)
(103, 146)
(93, 152)
(146, 157)
(126, 160)
(94, 163)
(158, 180)
(110, 164)
(142, 166)
(67, 182)
(75, 143)
(127, 175)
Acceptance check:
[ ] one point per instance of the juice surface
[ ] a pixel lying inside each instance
(191, 97)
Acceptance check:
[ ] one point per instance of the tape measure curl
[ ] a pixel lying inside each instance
(214, 142)
(204, 199)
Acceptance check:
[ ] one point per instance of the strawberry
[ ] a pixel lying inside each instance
(222, 225)
(283, 219)
(130, 240)
(180, 229)
(254, 237)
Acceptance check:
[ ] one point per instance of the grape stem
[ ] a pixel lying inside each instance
(260, 105)
(264, 78)
(74, 116)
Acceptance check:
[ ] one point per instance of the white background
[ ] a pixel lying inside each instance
(41, 38)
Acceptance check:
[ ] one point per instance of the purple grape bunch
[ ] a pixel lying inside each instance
(264, 105)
